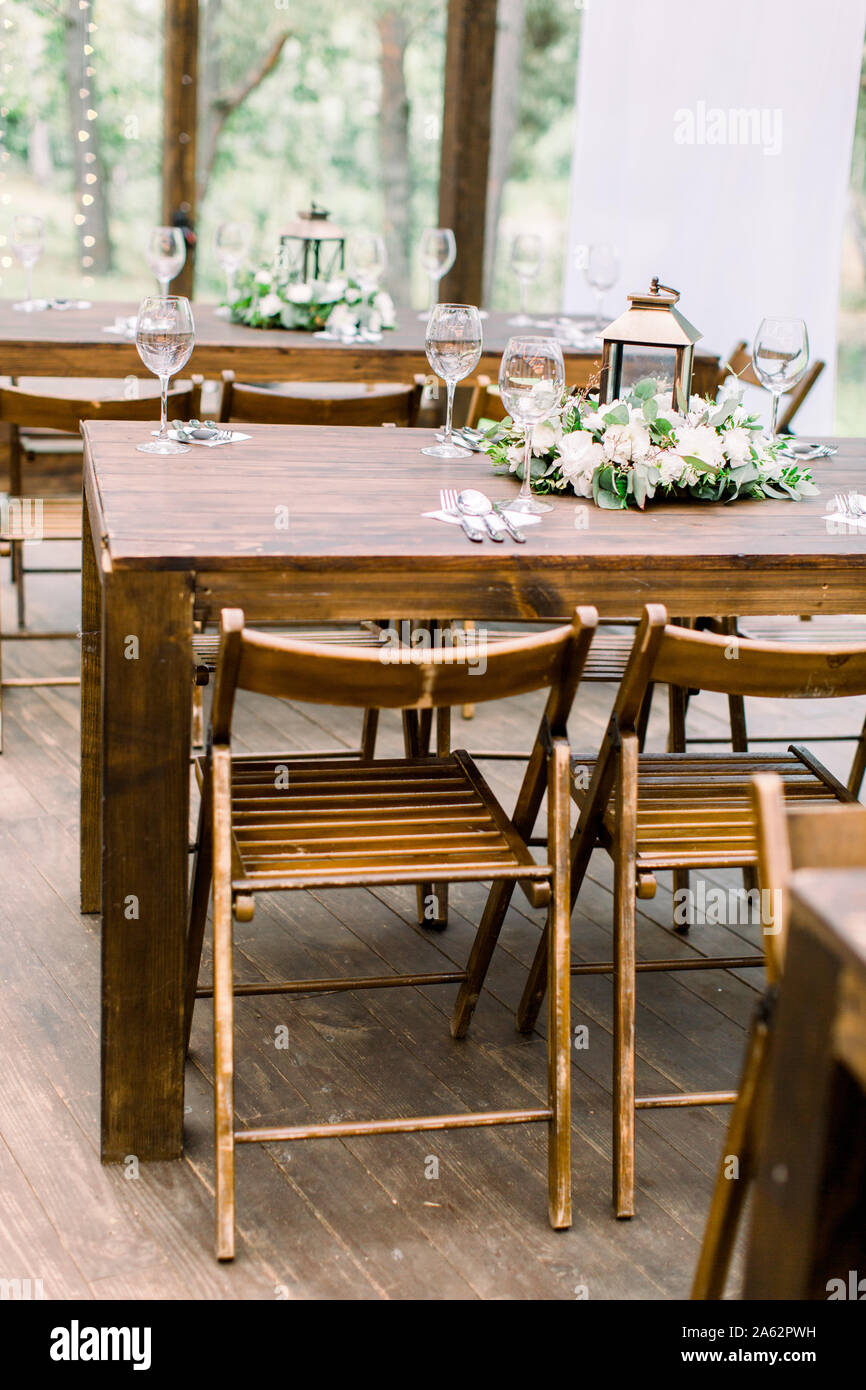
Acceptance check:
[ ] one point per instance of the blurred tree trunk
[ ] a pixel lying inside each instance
(394, 146)
(86, 154)
(505, 105)
(215, 103)
(39, 152)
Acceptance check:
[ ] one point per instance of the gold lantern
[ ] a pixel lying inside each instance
(652, 338)
(312, 248)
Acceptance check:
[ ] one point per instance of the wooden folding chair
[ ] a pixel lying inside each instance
(788, 838)
(818, 631)
(377, 405)
(28, 520)
(679, 811)
(365, 823)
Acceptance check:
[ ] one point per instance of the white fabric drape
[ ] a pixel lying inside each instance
(713, 148)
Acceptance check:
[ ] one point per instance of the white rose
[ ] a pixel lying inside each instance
(342, 321)
(671, 467)
(701, 441)
(625, 443)
(737, 444)
(545, 436)
(264, 277)
(384, 305)
(514, 456)
(579, 457)
(353, 294)
(300, 294)
(270, 305)
(374, 321)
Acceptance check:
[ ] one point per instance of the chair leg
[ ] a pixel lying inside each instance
(369, 731)
(223, 1009)
(624, 983)
(644, 716)
(732, 1188)
(678, 703)
(468, 711)
(429, 909)
(1, 677)
(197, 717)
(858, 766)
(481, 955)
(202, 874)
(18, 581)
(559, 992)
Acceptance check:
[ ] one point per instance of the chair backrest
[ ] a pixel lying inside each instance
(795, 837)
(739, 363)
(485, 403)
(398, 406)
(394, 676)
(25, 408)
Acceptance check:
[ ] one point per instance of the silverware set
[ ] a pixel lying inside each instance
(201, 430)
(468, 438)
(478, 516)
(803, 452)
(849, 504)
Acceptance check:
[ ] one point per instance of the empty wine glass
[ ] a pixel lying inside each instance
(28, 243)
(438, 254)
(366, 260)
(231, 244)
(531, 384)
(602, 273)
(780, 357)
(453, 344)
(527, 254)
(166, 254)
(165, 335)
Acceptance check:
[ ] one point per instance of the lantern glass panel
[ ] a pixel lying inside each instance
(657, 362)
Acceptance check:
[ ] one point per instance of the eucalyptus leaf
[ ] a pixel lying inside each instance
(644, 388)
(617, 416)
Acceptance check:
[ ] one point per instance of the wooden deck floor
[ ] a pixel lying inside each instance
(456, 1216)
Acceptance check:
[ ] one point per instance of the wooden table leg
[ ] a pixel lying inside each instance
(147, 670)
(91, 722)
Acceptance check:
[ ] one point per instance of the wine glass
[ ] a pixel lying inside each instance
(231, 244)
(166, 254)
(366, 260)
(602, 273)
(453, 344)
(28, 243)
(531, 384)
(780, 357)
(438, 254)
(527, 254)
(164, 336)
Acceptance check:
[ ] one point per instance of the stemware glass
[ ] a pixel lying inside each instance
(527, 254)
(602, 273)
(453, 344)
(438, 254)
(164, 336)
(166, 254)
(366, 260)
(28, 243)
(231, 244)
(780, 357)
(531, 384)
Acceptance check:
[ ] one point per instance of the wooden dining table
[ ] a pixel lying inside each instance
(74, 342)
(316, 524)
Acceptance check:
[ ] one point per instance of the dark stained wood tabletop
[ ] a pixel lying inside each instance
(73, 342)
(342, 510)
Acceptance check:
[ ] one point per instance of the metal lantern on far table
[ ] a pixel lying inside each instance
(312, 248)
(652, 338)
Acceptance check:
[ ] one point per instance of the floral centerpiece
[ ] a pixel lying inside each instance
(268, 298)
(637, 448)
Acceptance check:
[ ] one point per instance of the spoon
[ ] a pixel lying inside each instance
(473, 503)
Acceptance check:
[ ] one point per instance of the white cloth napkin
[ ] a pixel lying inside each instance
(209, 443)
(843, 521)
(518, 518)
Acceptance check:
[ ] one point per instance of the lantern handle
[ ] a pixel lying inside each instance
(655, 287)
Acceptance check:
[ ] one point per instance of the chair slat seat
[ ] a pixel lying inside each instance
(697, 811)
(306, 823)
(205, 645)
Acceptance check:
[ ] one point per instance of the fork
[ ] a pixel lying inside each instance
(448, 503)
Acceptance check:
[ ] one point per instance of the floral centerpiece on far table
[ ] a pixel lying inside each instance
(268, 298)
(637, 448)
